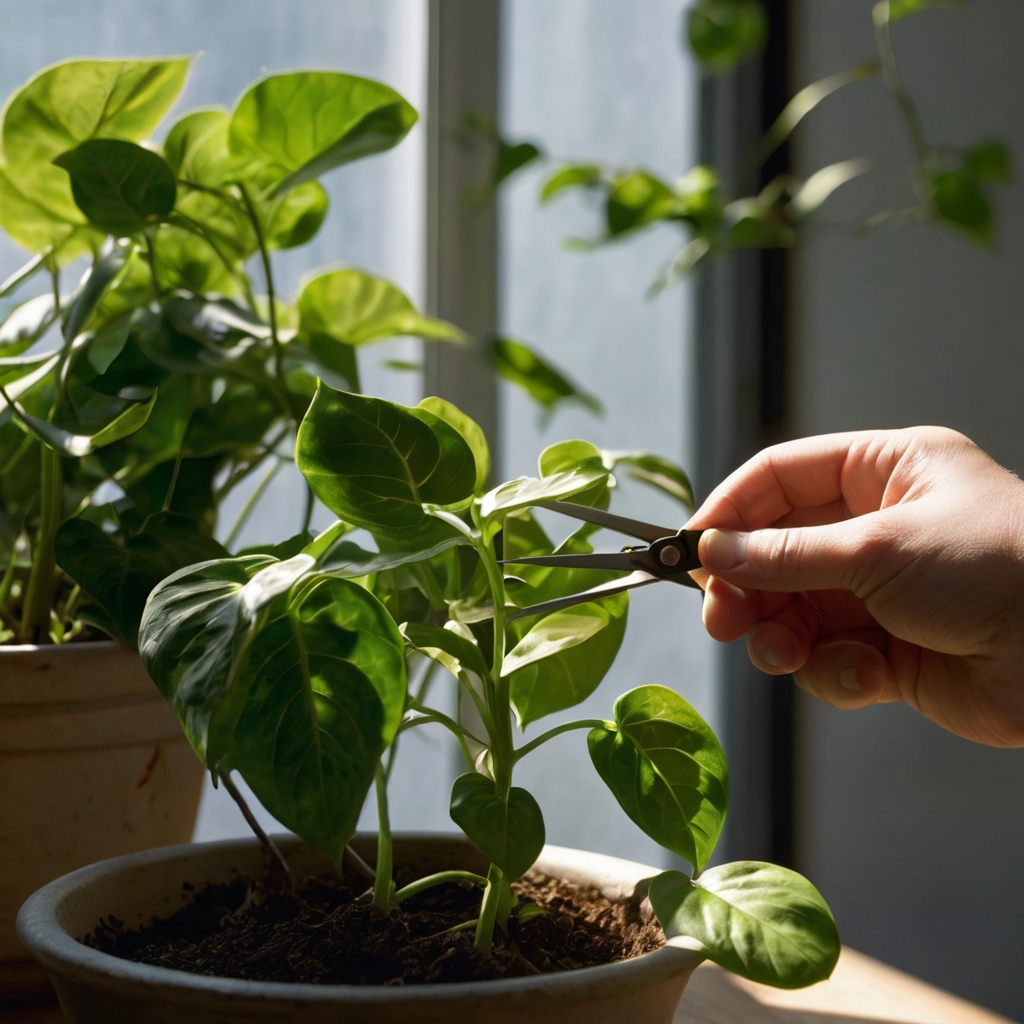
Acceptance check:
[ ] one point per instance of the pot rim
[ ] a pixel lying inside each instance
(42, 934)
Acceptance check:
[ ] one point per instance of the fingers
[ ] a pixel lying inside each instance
(848, 556)
(846, 674)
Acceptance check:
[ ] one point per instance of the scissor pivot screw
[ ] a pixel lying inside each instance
(669, 555)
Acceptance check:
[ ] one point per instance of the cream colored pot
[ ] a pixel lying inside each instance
(93, 764)
(96, 988)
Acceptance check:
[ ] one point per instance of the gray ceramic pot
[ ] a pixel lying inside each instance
(96, 988)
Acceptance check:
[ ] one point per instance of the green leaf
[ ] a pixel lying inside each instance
(512, 156)
(454, 652)
(573, 176)
(722, 33)
(471, 431)
(349, 561)
(122, 188)
(120, 576)
(108, 264)
(961, 203)
(26, 324)
(196, 147)
(510, 835)
(57, 110)
(563, 658)
(990, 161)
(567, 455)
(525, 491)
(295, 217)
(78, 445)
(294, 678)
(763, 922)
(345, 306)
(666, 768)
(521, 366)
(291, 128)
(639, 199)
(19, 367)
(655, 470)
(376, 464)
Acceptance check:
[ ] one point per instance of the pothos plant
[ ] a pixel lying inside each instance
(300, 673)
(133, 405)
(952, 186)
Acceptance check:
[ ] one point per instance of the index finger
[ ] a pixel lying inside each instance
(849, 470)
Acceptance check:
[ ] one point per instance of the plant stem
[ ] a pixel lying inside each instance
(35, 618)
(151, 260)
(307, 515)
(174, 480)
(360, 865)
(250, 503)
(489, 910)
(276, 864)
(382, 883)
(431, 880)
(268, 277)
(240, 277)
(585, 723)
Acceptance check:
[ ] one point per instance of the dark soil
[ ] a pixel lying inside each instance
(322, 936)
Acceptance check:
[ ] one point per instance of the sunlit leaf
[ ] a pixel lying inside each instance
(573, 176)
(454, 652)
(722, 33)
(471, 431)
(26, 324)
(761, 921)
(655, 470)
(295, 217)
(510, 833)
(666, 768)
(520, 365)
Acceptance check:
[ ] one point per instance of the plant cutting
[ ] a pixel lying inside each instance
(295, 673)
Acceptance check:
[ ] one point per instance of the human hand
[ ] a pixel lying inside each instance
(877, 566)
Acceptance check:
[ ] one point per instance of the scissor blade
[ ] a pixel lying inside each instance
(595, 560)
(630, 527)
(636, 579)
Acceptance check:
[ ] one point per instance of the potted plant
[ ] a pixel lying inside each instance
(133, 405)
(300, 670)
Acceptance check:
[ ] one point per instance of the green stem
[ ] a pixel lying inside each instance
(489, 910)
(250, 503)
(382, 883)
(275, 859)
(151, 260)
(8, 579)
(240, 277)
(307, 515)
(169, 496)
(436, 717)
(35, 619)
(585, 723)
(893, 82)
(431, 880)
(250, 467)
(269, 277)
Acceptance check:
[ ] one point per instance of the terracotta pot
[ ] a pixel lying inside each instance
(93, 764)
(96, 988)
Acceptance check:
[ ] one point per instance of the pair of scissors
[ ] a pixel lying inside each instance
(667, 555)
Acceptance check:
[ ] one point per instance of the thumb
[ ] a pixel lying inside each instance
(834, 556)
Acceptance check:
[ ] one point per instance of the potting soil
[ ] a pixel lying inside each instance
(321, 935)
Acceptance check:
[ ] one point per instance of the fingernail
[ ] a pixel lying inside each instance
(848, 679)
(723, 549)
(768, 656)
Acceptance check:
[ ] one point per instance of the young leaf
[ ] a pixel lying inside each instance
(990, 162)
(296, 216)
(453, 651)
(294, 678)
(521, 366)
(961, 203)
(119, 577)
(763, 922)
(666, 768)
(376, 464)
(510, 834)
(196, 147)
(563, 658)
(122, 188)
(26, 324)
(471, 432)
(292, 128)
(722, 33)
(655, 470)
(525, 491)
(573, 176)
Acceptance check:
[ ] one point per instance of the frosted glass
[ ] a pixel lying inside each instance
(605, 80)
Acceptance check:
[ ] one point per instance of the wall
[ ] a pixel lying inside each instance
(913, 835)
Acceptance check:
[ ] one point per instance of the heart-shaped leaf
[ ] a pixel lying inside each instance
(120, 576)
(763, 922)
(295, 678)
(510, 834)
(471, 431)
(376, 464)
(291, 128)
(520, 365)
(121, 188)
(296, 216)
(666, 769)
(196, 147)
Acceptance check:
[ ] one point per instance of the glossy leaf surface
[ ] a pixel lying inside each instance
(120, 576)
(455, 652)
(375, 463)
(292, 128)
(510, 834)
(471, 432)
(666, 768)
(761, 921)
